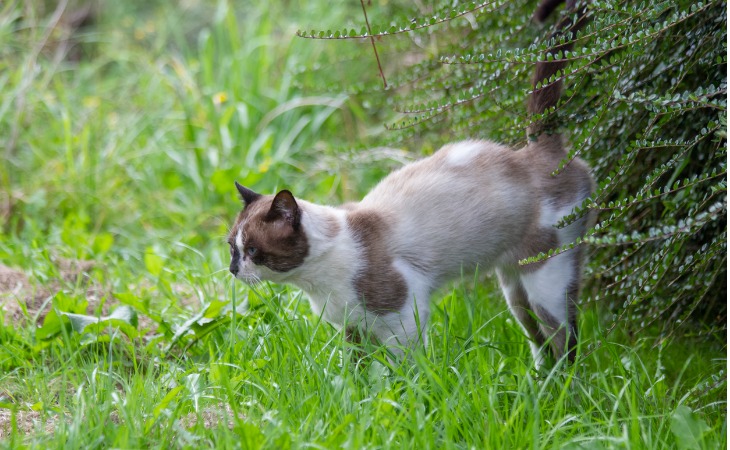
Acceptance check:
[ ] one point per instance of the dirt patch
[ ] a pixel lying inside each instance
(24, 297)
(72, 269)
(31, 422)
(12, 281)
(27, 422)
(18, 291)
(212, 417)
(14, 288)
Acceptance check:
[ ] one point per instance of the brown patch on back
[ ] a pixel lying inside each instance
(381, 287)
(281, 245)
(491, 158)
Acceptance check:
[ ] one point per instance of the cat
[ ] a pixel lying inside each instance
(372, 265)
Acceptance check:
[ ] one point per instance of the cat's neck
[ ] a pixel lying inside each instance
(332, 260)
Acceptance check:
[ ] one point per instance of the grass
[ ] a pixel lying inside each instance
(117, 193)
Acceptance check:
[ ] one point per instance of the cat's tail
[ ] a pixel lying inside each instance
(541, 100)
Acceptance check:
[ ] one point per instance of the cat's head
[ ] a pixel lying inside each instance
(267, 240)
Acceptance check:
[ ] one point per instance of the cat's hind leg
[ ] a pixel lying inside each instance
(517, 300)
(552, 291)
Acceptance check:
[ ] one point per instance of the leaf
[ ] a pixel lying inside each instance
(204, 321)
(124, 318)
(54, 320)
(166, 400)
(51, 326)
(153, 262)
(195, 388)
(688, 429)
(102, 242)
(79, 321)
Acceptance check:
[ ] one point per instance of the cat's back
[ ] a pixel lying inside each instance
(454, 171)
(469, 200)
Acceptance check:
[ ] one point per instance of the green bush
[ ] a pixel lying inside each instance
(644, 104)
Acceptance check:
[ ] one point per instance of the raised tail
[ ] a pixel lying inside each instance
(540, 100)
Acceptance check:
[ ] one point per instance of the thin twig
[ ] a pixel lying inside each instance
(372, 41)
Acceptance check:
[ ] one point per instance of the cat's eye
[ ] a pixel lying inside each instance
(252, 251)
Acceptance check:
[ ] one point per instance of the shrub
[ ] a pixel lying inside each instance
(644, 104)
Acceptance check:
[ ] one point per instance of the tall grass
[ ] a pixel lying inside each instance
(127, 158)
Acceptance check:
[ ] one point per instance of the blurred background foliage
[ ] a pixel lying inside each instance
(202, 101)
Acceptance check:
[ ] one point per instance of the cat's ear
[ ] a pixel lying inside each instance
(284, 207)
(247, 195)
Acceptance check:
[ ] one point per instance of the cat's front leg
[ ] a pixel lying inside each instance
(403, 329)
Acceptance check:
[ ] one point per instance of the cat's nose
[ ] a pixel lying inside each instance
(234, 269)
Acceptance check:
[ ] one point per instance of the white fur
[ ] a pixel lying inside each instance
(463, 153)
(442, 221)
(243, 272)
(549, 284)
(239, 240)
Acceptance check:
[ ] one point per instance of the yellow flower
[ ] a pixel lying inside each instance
(264, 166)
(92, 102)
(220, 98)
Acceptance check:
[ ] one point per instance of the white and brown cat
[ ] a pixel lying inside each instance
(372, 265)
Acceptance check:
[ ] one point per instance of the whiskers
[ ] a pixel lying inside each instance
(254, 281)
(215, 272)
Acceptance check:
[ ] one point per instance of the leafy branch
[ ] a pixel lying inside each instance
(446, 15)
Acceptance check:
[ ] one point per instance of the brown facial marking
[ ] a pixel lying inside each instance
(273, 228)
(381, 287)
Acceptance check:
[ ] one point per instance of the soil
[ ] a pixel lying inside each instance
(17, 289)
